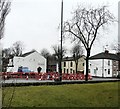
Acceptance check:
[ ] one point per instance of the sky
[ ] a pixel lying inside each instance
(36, 22)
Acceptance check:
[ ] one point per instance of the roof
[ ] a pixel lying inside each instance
(70, 58)
(28, 53)
(105, 55)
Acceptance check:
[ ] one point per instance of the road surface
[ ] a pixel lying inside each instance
(34, 81)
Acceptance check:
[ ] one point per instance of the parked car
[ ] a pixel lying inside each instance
(24, 69)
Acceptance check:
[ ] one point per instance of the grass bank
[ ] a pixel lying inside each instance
(72, 95)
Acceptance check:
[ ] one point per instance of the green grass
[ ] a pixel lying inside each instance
(73, 95)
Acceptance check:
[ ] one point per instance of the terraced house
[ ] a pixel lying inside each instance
(69, 65)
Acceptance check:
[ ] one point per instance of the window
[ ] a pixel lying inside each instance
(83, 64)
(70, 70)
(67, 70)
(88, 70)
(64, 70)
(108, 62)
(94, 71)
(71, 64)
(64, 64)
(108, 71)
(114, 63)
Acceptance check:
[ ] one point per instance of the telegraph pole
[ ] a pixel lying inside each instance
(61, 41)
(119, 35)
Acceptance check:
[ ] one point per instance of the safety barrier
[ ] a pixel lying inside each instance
(44, 76)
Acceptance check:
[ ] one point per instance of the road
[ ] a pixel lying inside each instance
(33, 80)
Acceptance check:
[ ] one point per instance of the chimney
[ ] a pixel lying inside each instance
(106, 51)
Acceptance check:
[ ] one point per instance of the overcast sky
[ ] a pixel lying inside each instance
(35, 23)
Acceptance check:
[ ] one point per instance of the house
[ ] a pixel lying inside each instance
(52, 64)
(69, 66)
(32, 60)
(104, 64)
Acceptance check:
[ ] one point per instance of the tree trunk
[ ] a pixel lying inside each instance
(76, 66)
(60, 71)
(87, 64)
(47, 65)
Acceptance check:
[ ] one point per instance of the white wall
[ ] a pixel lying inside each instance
(32, 61)
(106, 66)
(101, 66)
(85, 67)
(96, 64)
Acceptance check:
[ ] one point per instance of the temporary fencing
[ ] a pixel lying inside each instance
(44, 76)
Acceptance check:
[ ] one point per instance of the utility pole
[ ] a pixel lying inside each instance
(60, 69)
(0, 57)
(0, 74)
(119, 34)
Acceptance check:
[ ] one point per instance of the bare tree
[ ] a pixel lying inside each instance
(57, 53)
(45, 53)
(4, 10)
(6, 55)
(77, 52)
(116, 47)
(17, 48)
(85, 26)
(7, 52)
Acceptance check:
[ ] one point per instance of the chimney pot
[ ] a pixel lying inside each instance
(106, 51)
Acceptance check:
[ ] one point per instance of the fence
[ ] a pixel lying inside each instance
(44, 76)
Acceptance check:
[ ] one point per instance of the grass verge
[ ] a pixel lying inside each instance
(72, 95)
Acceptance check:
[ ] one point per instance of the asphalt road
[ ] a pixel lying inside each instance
(33, 80)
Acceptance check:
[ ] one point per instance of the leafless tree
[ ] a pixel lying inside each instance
(44, 52)
(57, 53)
(77, 52)
(4, 10)
(7, 52)
(6, 56)
(116, 47)
(85, 26)
(17, 48)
